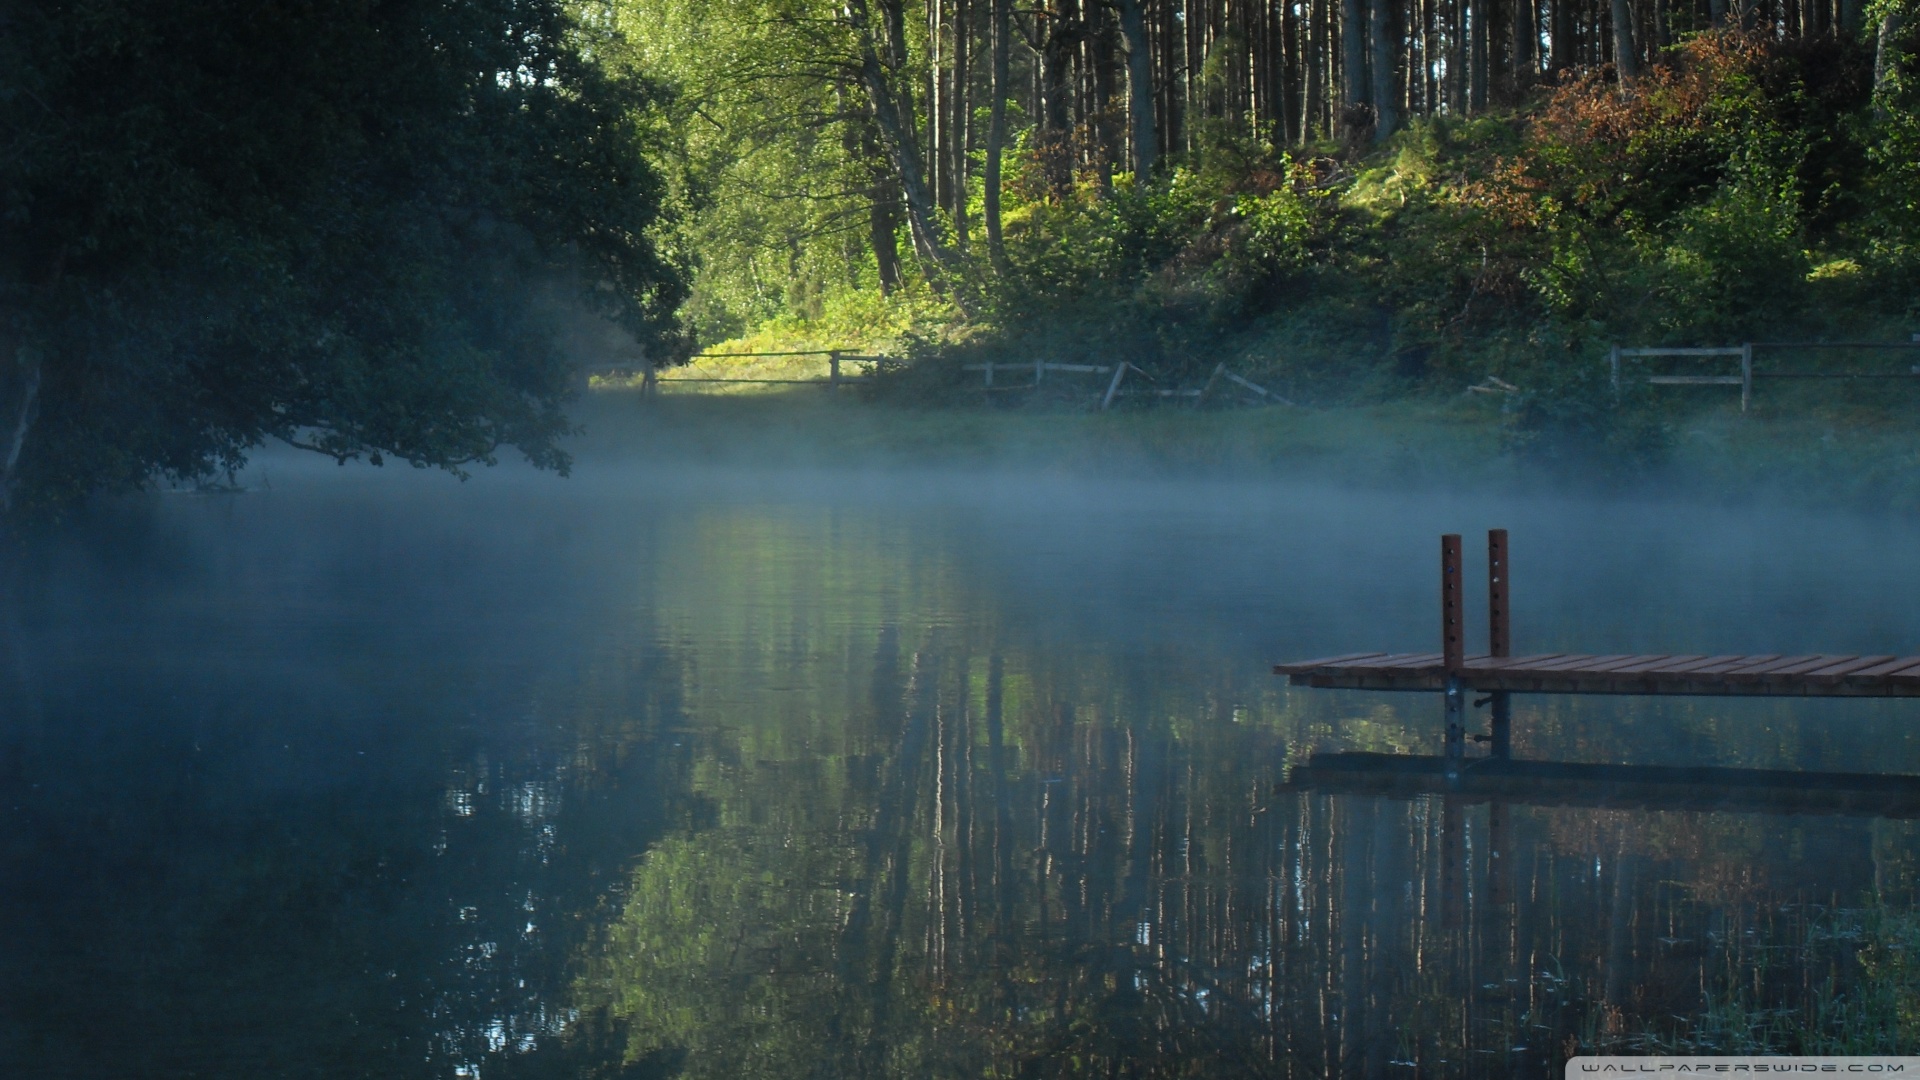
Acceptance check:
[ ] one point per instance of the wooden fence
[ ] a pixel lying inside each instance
(1744, 353)
(837, 376)
(1118, 371)
(651, 379)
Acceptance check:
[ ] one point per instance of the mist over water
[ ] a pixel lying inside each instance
(732, 772)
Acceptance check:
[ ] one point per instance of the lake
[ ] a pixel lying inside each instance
(682, 771)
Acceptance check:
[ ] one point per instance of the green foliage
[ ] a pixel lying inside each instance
(1743, 188)
(360, 229)
(777, 159)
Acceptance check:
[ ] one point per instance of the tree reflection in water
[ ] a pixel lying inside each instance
(579, 782)
(1018, 865)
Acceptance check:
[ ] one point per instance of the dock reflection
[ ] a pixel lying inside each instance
(1500, 781)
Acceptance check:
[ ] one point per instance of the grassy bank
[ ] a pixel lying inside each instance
(1792, 450)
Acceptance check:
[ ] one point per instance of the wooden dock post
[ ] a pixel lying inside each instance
(1499, 857)
(1452, 644)
(1499, 641)
(1453, 861)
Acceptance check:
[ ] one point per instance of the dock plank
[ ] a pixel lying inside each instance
(1808, 674)
(1555, 660)
(1656, 664)
(1343, 658)
(1728, 663)
(1601, 663)
(1845, 667)
(1890, 667)
(1751, 671)
(1504, 663)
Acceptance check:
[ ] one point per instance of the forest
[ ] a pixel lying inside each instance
(375, 230)
(1352, 200)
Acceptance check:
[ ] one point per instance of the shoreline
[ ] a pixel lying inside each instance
(1808, 459)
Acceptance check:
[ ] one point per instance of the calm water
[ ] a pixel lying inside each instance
(720, 775)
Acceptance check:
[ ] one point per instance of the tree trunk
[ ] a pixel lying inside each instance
(1133, 27)
(1884, 46)
(1477, 61)
(1101, 62)
(893, 114)
(1561, 56)
(1526, 46)
(1384, 35)
(957, 129)
(1353, 64)
(881, 221)
(1064, 33)
(1312, 44)
(1625, 59)
(1459, 58)
(1001, 19)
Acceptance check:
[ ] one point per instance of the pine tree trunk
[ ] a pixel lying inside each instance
(1384, 36)
(1477, 60)
(957, 129)
(1311, 47)
(1526, 45)
(1353, 66)
(997, 129)
(1561, 48)
(1625, 59)
(1460, 59)
(1102, 55)
(1056, 89)
(1133, 27)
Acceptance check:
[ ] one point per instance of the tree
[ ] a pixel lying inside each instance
(354, 227)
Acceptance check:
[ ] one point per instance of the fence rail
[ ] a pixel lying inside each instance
(1747, 375)
(835, 378)
(1119, 370)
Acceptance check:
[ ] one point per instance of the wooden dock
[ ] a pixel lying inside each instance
(1581, 673)
(1499, 674)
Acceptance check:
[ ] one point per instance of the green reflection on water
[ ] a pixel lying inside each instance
(830, 784)
(946, 845)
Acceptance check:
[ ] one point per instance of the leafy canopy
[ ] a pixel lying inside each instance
(354, 225)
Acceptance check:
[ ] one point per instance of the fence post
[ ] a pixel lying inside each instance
(1746, 376)
(1119, 372)
(833, 372)
(1207, 390)
(1039, 371)
(1613, 358)
(650, 382)
(989, 374)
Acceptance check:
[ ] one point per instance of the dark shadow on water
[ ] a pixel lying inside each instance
(1617, 787)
